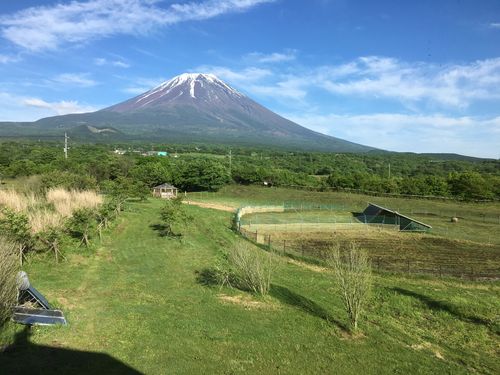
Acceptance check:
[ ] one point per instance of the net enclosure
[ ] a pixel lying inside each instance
(375, 214)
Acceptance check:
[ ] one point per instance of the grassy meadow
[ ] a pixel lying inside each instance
(137, 301)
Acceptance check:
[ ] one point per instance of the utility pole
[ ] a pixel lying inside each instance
(65, 145)
(230, 163)
(389, 171)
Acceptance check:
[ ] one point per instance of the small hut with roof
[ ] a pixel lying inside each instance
(165, 191)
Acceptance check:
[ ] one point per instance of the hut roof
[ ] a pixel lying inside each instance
(165, 186)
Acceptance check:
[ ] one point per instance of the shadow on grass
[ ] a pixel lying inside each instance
(442, 306)
(291, 298)
(24, 357)
(207, 277)
(162, 231)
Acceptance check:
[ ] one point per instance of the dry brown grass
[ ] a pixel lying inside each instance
(17, 202)
(8, 284)
(43, 219)
(248, 302)
(66, 202)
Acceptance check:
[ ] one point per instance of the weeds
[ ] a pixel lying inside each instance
(253, 271)
(353, 278)
(8, 285)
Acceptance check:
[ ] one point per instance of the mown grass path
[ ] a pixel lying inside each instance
(137, 299)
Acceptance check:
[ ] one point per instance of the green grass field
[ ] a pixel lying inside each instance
(136, 301)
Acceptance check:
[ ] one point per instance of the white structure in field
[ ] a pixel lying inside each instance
(165, 191)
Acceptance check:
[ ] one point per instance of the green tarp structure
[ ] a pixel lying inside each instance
(375, 214)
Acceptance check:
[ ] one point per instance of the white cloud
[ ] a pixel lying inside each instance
(74, 79)
(20, 108)
(141, 84)
(5, 59)
(378, 77)
(415, 84)
(242, 77)
(275, 57)
(49, 27)
(101, 61)
(62, 107)
(495, 25)
(418, 133)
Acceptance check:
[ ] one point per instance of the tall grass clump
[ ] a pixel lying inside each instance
(43, 219)
(68, 201)
(353, 279)
(8, 284)
(252, 270)
(15, 201)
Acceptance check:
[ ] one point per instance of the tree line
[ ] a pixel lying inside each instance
(209, 167)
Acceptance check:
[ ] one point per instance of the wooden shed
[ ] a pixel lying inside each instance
(165, 191)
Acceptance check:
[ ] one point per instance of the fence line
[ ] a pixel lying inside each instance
(472, 271)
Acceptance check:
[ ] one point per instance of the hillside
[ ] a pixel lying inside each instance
(139, 302)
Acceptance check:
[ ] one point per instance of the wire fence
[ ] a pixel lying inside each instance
(479, 269)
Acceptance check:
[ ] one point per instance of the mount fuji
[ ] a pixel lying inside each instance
(192, 107)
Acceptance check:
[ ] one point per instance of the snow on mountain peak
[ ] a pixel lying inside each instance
(195, 85)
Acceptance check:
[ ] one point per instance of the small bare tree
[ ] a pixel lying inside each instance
(353, 277)
(8, 283)
(253, 270)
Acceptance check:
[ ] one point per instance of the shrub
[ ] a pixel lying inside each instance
(82, 224)
(51, 238)
(253, 271)
(15, 227)
(353, 278)
(173, 213)
(8, 284)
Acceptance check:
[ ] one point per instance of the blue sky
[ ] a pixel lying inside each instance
(421, 76)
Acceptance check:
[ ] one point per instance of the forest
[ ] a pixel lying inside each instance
(201, 167)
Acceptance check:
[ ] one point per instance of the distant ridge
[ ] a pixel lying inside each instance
(191, 107)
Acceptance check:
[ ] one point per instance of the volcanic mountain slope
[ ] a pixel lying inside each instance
(195, 107)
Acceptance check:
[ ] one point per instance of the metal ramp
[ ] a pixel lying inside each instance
(33, 308)
(33, 296)
(44, 317)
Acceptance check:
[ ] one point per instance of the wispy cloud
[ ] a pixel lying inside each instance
(495, 25)
(426, 103)
(275, 57)
(23, 108)
(101, 61)
(140, 85)
(467, 135)
(5, 59)
(373, 77)
(49, 27)
(62, 107)
(451, 85)
(74, 79)
(242, 77)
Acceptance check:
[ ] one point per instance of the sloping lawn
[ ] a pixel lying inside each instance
(137, 301)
